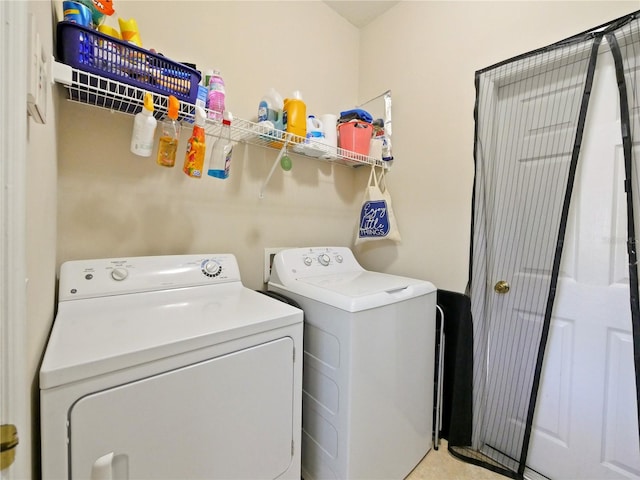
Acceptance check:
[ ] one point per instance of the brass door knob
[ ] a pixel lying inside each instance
(501, 287)
(8, 444)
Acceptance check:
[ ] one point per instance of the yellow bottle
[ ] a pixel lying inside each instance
(129, 31)
(169, 135)
(295, 116)
(194, 158)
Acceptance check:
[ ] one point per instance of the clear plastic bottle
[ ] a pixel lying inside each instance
(220, 160)
(216, 96)
(169, 135)
(144, 129)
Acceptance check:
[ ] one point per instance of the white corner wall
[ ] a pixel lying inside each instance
(40, 238)
(427, 53)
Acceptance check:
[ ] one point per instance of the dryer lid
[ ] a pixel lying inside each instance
(95, 336)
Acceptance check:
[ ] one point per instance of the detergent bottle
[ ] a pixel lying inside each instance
(144, 129)
(315, 129)
(194, 157)
(295, 116)
(270, 107)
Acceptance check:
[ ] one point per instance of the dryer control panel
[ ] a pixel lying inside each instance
(296, 263)
(117, 276)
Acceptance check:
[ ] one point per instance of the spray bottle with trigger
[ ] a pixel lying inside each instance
(194, 157)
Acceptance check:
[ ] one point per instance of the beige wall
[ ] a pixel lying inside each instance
(112, 203)
(427, 54)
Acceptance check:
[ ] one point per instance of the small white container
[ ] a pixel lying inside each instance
(144, 129)
(329, 124)
(375, 148)
(314, 128)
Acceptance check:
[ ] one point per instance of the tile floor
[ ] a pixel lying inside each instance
(441, 465)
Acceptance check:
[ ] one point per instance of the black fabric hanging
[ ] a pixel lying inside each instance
(458, 367)
(529, 121)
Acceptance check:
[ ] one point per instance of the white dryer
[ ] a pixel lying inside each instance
(169, 368)
(369, 341)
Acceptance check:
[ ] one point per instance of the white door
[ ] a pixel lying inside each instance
(586, 423)
(534, 121)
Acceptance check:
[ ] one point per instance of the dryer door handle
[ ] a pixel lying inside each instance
(102, 468)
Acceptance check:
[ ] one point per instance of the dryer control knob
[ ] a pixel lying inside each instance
(339, 258)
(308, 261)
(211, 268)
(324, 259)
(119, 274)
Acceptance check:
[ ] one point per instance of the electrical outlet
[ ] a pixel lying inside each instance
(269, 254)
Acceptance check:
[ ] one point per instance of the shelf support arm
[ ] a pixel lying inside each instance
(282, 151)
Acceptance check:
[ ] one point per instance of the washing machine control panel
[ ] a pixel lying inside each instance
(308, 262)
(114, 276)
(321, 259)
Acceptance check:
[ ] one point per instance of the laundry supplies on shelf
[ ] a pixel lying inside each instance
(295, 115)
(220, 160)
(144, 128)
(194, 157)
(169, 135)
(216, 97)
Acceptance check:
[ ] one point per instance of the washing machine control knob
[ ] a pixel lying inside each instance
(308, 261)
(324, 259)
(211, 268)
(339, 258)
(119, 274)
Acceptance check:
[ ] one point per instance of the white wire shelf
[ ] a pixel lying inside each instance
(90, 89)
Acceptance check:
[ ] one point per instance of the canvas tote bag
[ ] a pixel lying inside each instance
(377, 221)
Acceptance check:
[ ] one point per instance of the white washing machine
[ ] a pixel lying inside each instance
(169, 368)
(368, 378)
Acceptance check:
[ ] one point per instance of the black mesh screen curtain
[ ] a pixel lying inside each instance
(530, 116)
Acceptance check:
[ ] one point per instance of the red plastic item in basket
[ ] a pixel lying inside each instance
(355, 136)
(95, 52)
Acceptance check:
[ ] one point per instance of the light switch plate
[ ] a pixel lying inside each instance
(38, 84)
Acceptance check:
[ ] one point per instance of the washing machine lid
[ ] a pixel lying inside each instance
(94, 336)
(357, 290)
